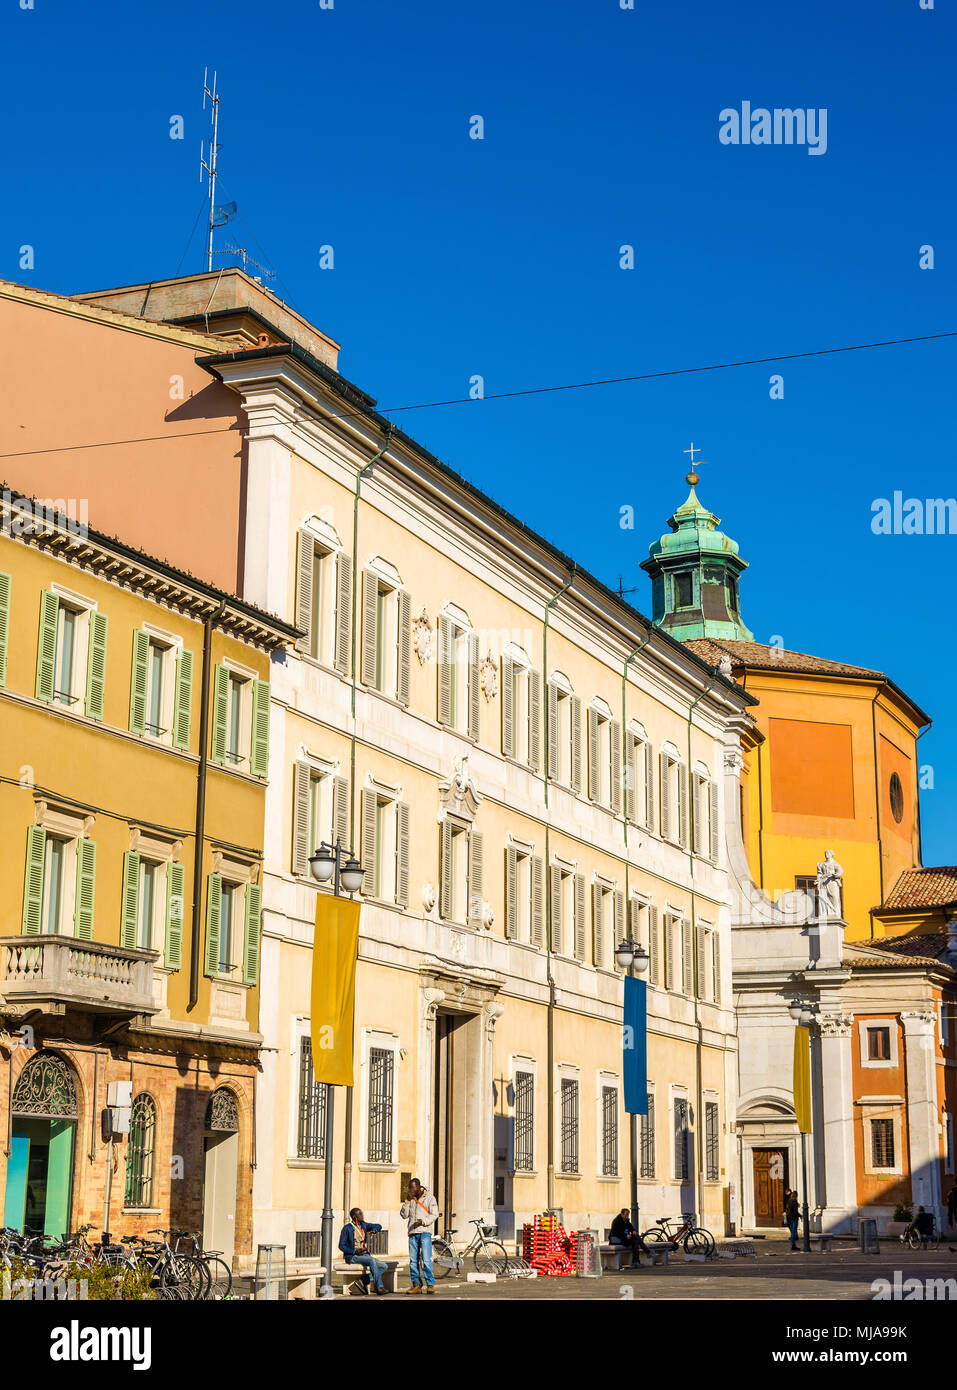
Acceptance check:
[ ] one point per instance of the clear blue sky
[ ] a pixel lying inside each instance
(499, 257)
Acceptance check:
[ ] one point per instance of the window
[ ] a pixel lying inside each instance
(524, 1121)
(733, 593)
(140, 1148)
(320, 812)
(564, 734)
(385, 847)
(524, 896)
(647, 1158)
(63, 690)
(161, 689)
(461, 873)
(311, 1134)
(711, 1141)
(71, 654)
(228, 900)
(386, 634)
(53, 887)
(608, 907)
(458, 675)
(147, 904)
(381, 1080)
(233, 913)
(568, 926)
(324, 596)
(882, 1143)
(604, 759)
(151, 914)
(59, 883)
(879, 1044)
(569, 1125)
(684, 590)
(639, 781)
(705, 813)
(673, 778)
(896, 793)
(521, 709)
(241, 721)
(682, 1140)
(609, 1131)
(673, 936)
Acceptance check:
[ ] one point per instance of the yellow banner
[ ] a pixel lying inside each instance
(802, 1079)
(334, 953)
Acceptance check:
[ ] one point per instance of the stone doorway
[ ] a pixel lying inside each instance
(770, 1183)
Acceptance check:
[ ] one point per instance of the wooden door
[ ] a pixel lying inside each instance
(770, 1183)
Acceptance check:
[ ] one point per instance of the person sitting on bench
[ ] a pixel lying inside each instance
(353, 1242)
(624, 1233)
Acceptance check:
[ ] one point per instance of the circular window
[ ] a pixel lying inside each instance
(897, 798)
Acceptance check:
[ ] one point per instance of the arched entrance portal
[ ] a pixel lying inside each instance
(40, 1167)
(221, 1158)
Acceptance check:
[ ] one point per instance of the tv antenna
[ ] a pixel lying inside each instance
(208, 165)
(241, 251)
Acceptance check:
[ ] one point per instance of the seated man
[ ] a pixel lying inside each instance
(624, 1233)
(924, 1224)
(353, 1242)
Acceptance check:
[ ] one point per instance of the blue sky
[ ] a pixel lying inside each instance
(457, 257)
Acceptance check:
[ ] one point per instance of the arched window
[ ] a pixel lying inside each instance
(139, 1153)
(46, 1087)
(222, 1112)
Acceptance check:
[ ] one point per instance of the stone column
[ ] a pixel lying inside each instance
(431, 999)
(923, 1119)
(834, 1123)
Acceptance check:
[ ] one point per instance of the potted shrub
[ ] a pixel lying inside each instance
(903, 1216)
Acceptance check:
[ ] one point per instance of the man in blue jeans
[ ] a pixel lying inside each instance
(354, 1244)
(420, 1211)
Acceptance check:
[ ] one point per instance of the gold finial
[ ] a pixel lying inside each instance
(692, 477)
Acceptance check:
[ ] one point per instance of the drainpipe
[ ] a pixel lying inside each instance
(200, 837)
(699, 1119)
(550, 1012)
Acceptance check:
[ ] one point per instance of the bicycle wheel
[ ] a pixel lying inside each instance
(655, 1236)
(493, 1259)
(220, 1279)
(186, 1275)
(444, 1259)
(913, 1240)
(699, 1242)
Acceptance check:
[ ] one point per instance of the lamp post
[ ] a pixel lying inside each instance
(627, 954)
(803, 1017)
(327, 863)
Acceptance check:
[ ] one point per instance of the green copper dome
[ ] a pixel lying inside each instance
(694, 575)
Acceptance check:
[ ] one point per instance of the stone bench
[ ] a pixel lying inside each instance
(350, 1274)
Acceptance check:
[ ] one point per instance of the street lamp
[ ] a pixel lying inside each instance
(630, 954)
(339, 864)
(803, 1016)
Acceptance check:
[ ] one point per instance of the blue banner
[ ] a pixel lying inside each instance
(634, 1049)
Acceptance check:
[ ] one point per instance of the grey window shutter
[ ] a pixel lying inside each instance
(402, 853)
(369, 664)
(654, 963)
(476, 875)
(634, 921)
(445, 870)
(511, 892)
(664, 763)
(579, 916)
(700, 964)
(669, 934)
(615, 771)
(508, 710)
(535, 719)
(598, 926)
(594, 749)
(304, 581)
(340, 810)
(649, 760)
(576, 723)
(698, 823)
(682, 835)
(631, 779)
(446, 656)
(404, 673)
(714, 846)
(557, 944)
(687, 958)
(552, 730)
(538, 901)
(716, 967)
(301, 848)
(474, 690)
(619, 918)
(369, 818)
(343, 612)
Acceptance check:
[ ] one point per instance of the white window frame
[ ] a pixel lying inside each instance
(701, 798)
(670, 832)
(862, 1029)
(567, 1071)
(882, 1108)
(519, 1062)
(679, 1093)
(604, 719)
(68, 828)
(247, 678)
(236, 876)
(172, 646)
(327, 547)
(520, 671)
(387, 1042)
(160, 853)
(636, 741)
(607, 1080)
(564, 701)
(83, 607)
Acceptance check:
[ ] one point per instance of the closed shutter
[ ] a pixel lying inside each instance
(580, 916)
(46, 645)
(304, 580)
(669, 936)
(634, 921)
(340, 810)
(619, 920)
(175, 912)
(402, 853)
(649, 761)
(404, 674)
(254, 898)
(183, 701)
(576, 725)
(96, 666)
(220, 713)
(369, 816)
(664, 763)
(557, 943)
(698, 825)
(6, 585)
(615, 770)
(700, 964)
(654, 963)
(445, 662)
(476, 875)
(511, 892)
(343, 612)
(682, 804)
(369, 663)
(631, 779)
(714, 847)
(214, 909)
(687, 958)
(552, 730)
(302, 791)
(716, 967)
(259, 755)
(129, 909)
(33, 881)
(535, 720)
(445, 870)
(474, 692)
(85, 889)
(597, 924)
(538, 901)
(508, 709)
(138, 682)
(594, 753)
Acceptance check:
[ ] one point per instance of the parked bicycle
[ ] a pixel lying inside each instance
(695, 1239)
(488, 1256)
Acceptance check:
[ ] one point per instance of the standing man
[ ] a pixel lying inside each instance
(421, 1211)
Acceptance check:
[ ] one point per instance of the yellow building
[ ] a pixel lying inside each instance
(134, 708)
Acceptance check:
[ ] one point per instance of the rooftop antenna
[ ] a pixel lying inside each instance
(209, 165)
(230, 250)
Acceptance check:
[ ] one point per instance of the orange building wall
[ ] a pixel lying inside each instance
(878, 1188)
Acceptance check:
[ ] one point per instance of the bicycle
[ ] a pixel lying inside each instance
(218, 1275)
(488, 1256)
(915, 1241)
(695, 1239)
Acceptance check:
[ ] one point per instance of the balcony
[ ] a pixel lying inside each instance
(57, 973)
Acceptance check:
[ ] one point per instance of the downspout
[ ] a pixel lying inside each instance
(699, 1118)
(632, 1119)
(200, 836)
(550, 1012)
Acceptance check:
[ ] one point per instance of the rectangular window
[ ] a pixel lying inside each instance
(320, 567)
(385, 850)
(311, 1138)
(878, 1044)
(524, 1121)
(226, 926)
(147, 905)
(569, 1125)
(882, 1143)
(647, 1161)
(63, 690)
(154, 690)
(684, 590)
(53, 885)
(381, 1081)
(711, 1141)
(234, 719)
(682, 1140)
(609, 1131)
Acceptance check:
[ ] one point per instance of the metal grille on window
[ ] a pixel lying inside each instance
(882, 1143)
(569, 1126)
(312, 1107)
(647, 1169)
(139, 1153)
(381, 1071)
(222, 1112)
(682, 1166)
(711, 1140)
(524, 1121)
(45, 1087)
(609, 1131)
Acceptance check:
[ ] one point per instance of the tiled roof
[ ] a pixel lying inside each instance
(759, 656)
(934, 887)
(891, 952)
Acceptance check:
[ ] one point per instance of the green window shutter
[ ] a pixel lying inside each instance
(129, 911)
(96, 665)
(538, 901)
(138, 682)
(302, 791)
(220, 713)
(369, 814)
(214, 908)
(33, 881)
(402, 853)
(580, 916)
(304, 582)
(6, 584)
(615, 773)
(508, 716)
(183, 704)
(576, 743)
(552, 730)
(535, 720)
(511, 891)
(404, 673)
(594, 749)
(343, 612)
(556, 908)
(340, 810)
(476, 875)
(445, 870)
(175, 912)
(254, 897)
(474, 686)
(369, 662)
(46, 645)
(85, 889)
(259, 754)
(446, 658)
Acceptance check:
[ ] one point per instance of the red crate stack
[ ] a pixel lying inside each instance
(547, 1247)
